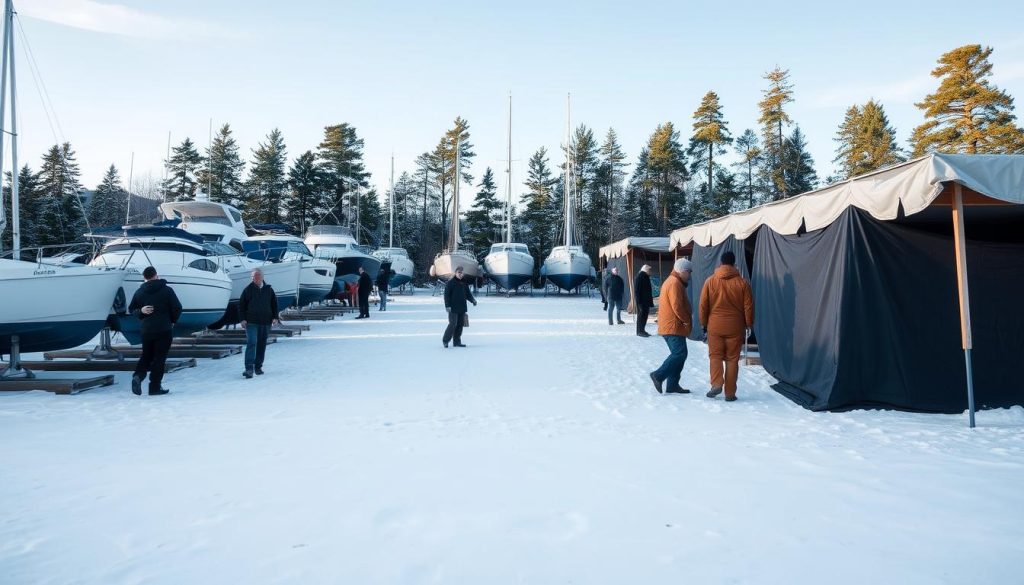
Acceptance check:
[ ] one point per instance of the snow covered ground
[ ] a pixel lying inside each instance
(539, 454)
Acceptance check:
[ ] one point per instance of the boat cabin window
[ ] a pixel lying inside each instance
(154, 246)
(204, 264)
(237, 245)
(235, 215)
(299, 247)
(219, 249)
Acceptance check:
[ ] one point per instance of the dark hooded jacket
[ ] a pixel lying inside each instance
(456, 295)
(644, 292)
(258, 304)
(166, 307)
(365, 285)
(615, 287)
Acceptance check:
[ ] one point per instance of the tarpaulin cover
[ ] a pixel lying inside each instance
(864, 313)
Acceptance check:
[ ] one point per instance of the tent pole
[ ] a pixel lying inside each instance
(964, 293)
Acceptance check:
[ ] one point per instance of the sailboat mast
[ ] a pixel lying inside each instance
(453, 245)
(391, 207)
(8, 59)
(508, 202)
(566, 193)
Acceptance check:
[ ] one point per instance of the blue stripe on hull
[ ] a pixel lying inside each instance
(312, 295)
(53, 336)
(509, 281)
(189, 323)
(348, 268)
(568, 282)
(285, 301)
(398, 280)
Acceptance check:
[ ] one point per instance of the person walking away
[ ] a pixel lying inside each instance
(365, 284)
(615, 289)
(726, 311)
(456, 294)
(258, 309)
(158, 309)
(675, 322)
(644, 299)
(383, 279)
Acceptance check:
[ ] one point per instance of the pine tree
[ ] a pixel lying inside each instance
(666, 163)
(340, 157)
(268, 182)
(109, 204)
(539, 218)
(483, 220)
(29, 203)
(967, 114)
(773, 118)
(592, 220)
(610, 184)
(799, 167)
(749, 150)
(181, 172)
(220, 175)
(866, 141)
(710, 135)
(641, 209)
(61, 220)
(305, 200)
(443, 167)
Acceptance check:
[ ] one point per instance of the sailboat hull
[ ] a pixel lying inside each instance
(568, 270)
(445, 265)
(509, 270)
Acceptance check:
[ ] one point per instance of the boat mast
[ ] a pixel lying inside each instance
(8, 50)
(566, 193)
(391, 207)
(453, 243)
(508, 202)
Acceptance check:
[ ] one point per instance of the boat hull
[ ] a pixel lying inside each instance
(509, 270)
(445, 264)
(568, 271)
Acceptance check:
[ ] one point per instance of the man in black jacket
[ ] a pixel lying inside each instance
(365, 284)
(158, 309)
(383, 280)
(643, 298)
(258, 309)
(456, 293)
(614, 289)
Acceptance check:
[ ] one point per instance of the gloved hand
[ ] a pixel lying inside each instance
(474, 303)
(447, 309)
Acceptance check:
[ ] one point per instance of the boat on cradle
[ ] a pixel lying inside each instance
(402, 267)
(452, 256)
(201, 285)
(568, 266)
(509, 265)
(336, 244)
(316, 277)
(223, 232)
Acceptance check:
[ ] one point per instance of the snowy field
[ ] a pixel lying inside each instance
(539, 454)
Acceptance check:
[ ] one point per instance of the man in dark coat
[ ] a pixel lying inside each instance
(615, 288)
(158, 309)
(258, 309)
(643, 298)
(365, 285)
(383, 280)
(456, 294)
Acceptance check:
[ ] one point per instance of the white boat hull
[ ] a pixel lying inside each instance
(509, 269)
(50, 307)
(568, 270)
(445, 264)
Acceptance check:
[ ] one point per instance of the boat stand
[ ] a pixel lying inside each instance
(14, 369)
(105, 350)
(16, 378)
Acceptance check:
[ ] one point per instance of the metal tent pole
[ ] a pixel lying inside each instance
(963, 293)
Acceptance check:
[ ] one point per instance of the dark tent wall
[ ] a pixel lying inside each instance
(864, 313)
(705, 260)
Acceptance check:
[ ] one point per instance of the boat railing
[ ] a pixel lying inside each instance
(54, 254)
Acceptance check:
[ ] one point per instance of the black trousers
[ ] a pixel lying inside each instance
(364, 305)
(454, 330)
(641, 318)
(154, 358)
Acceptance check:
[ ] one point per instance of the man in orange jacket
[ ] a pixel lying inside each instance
(675, 321)
(726, 312)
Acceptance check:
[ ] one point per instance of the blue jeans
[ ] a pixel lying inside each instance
(672, 368)
(383, 300)
(616, 306)
(255, 345)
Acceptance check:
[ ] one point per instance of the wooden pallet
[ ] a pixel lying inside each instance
(209, 351)
(216, 340)
(56, 385)
(308, 317)
(102, 365)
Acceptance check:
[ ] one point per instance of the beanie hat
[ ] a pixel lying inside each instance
(683, 264)
(646, 268)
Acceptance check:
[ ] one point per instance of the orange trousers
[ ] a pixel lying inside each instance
(725, 350)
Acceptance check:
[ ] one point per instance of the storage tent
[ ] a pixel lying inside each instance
(861, 289)
(629, 254)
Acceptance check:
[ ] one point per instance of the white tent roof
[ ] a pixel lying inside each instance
(620, 248)
(915, 184)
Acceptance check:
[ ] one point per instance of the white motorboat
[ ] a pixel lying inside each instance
(201, 285)
(316, 278)
(402, 267)
(337, 244)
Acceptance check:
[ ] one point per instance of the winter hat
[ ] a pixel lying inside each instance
(683, 265)
(646, 268)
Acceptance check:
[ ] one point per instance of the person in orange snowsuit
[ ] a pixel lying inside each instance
(726, 313)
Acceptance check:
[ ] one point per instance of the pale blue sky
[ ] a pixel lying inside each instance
(121, 75)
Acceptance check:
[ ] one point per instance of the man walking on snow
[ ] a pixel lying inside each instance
(365, 284)
(675, 321)
(456, 293)
(726, 313)
(158, 309)
(614, 289)
(643, 298)
(258, 309)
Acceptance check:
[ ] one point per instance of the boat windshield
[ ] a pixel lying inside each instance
(299, 247)
(219, 249)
